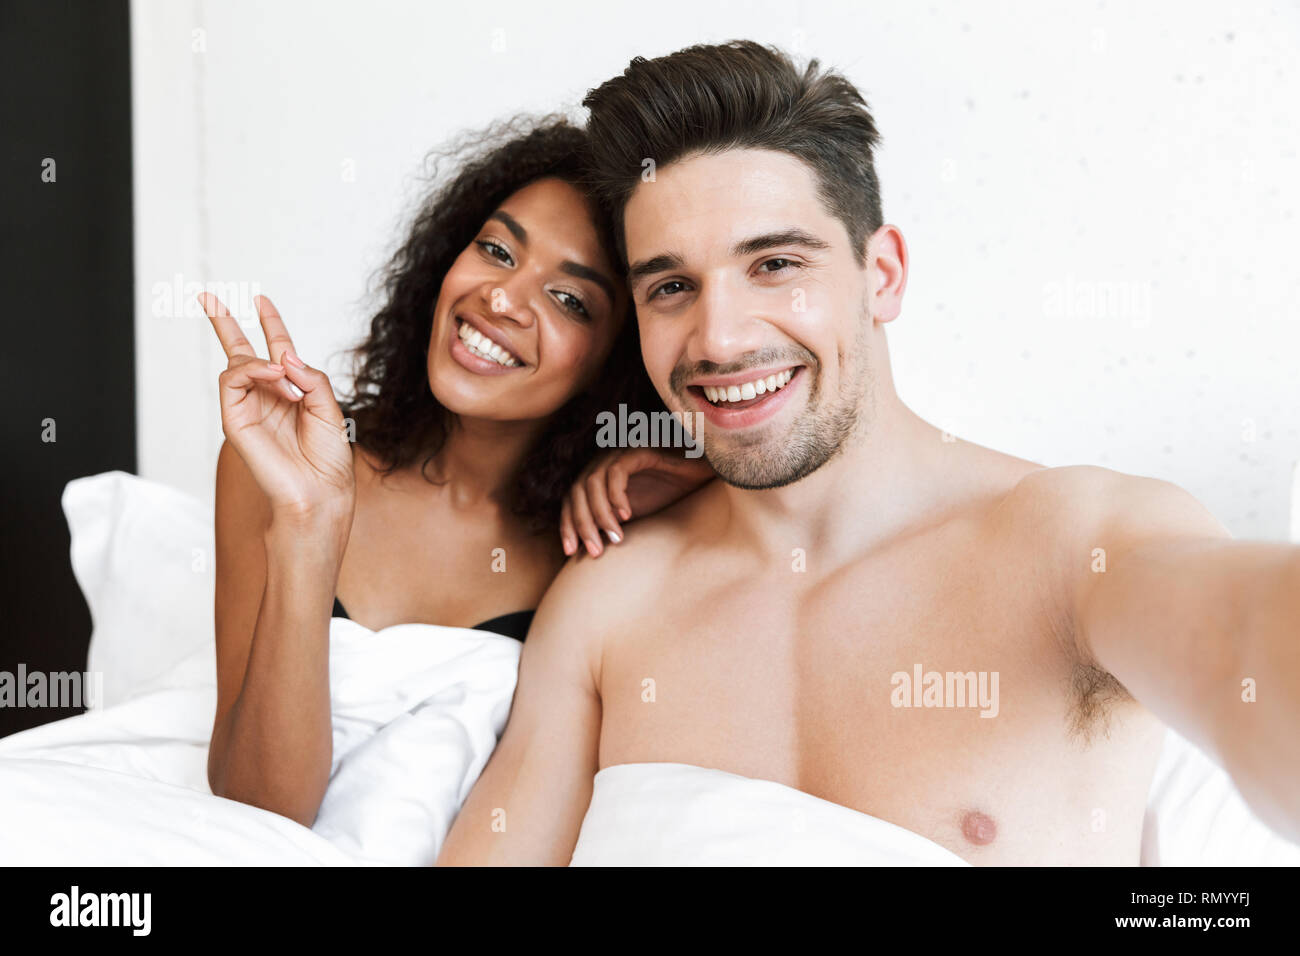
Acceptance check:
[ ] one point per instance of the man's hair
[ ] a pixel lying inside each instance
(736, 95)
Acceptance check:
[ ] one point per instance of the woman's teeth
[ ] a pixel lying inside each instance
(741, 393)
(484, 347)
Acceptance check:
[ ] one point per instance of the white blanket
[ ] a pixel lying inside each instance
(417, 711)
(674, 814)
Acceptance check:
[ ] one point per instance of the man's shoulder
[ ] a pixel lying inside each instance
(1091, 501)
(630, 576)
(1061, 526)
(1065, 497)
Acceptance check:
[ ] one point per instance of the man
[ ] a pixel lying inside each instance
(801, 621)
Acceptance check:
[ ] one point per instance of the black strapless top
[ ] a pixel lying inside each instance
(511, 625)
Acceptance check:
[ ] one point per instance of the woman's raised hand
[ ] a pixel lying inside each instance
(282, 417)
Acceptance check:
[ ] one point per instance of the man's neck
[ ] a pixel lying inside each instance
(887, 477)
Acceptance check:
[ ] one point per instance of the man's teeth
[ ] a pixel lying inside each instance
(740, 393)
(484, 347)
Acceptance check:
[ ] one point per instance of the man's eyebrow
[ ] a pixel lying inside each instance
(518, 231)
(785, 237)
(746, 247)
(591, 275)
(646, 267)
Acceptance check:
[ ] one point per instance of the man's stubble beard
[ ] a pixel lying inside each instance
(815, 437)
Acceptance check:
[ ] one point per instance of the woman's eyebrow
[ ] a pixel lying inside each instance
(509, 221)
(580, 271)
(575, 269)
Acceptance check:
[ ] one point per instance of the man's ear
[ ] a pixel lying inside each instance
(887, 262)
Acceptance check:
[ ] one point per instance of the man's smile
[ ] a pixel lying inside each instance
(745, 398)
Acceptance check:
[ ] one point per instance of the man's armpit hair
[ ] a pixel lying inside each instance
(1094, 691)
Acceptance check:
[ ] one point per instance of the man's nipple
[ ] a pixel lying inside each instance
(978, 828)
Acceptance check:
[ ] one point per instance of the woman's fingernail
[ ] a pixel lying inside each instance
(613, 536)
(568, 546)
(625, 514)
(297, 392)
(294, 360)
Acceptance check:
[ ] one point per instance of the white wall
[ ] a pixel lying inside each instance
(1100, 203)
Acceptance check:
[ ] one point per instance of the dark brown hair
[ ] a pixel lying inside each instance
(737, 95)
(395, 413)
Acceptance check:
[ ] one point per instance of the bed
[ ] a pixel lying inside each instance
(417, 710)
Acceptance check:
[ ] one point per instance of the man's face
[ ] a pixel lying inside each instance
(752, 309)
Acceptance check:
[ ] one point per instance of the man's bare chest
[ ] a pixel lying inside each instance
(931, 692)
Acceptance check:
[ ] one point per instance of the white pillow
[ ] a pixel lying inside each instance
(143, 554)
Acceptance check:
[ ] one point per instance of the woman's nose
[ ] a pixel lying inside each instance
(512, 302)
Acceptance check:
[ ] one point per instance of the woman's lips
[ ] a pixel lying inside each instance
(460, 351)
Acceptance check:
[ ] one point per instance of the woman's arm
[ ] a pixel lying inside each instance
(276, 576)
(285, 497)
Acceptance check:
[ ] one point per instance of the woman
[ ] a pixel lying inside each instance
(506, 329)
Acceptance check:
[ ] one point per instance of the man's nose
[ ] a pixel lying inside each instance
(725, 326)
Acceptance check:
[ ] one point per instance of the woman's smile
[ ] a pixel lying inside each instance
(479, 353)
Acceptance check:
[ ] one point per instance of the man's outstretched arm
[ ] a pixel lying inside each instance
(1203, 630)
(528, 804)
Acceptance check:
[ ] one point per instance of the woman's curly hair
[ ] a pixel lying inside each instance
(395, 414)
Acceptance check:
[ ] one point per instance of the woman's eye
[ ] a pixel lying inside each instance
(572, 302)
(495, 250)
(668, 288)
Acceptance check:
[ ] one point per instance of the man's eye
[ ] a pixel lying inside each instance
(573, 303)
(668, 288)
(776, 265)
(495, 251)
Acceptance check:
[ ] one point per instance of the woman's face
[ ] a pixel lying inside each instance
(528, 312)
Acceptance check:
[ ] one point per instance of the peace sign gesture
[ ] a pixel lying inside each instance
(281, 416)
